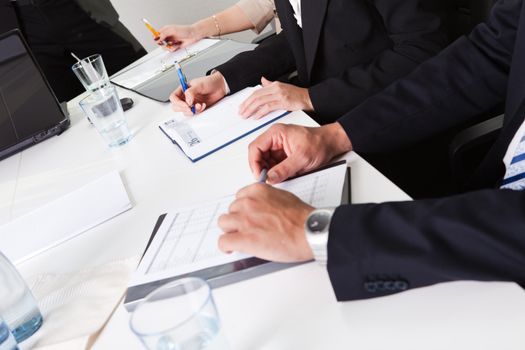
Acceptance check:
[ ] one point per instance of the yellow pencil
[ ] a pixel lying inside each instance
(151, 29)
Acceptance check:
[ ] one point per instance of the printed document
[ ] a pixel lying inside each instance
(216, 127)
(187, 238)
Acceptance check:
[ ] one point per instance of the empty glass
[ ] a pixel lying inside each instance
(104, 110)
(180, 315)
(91, 72)
(7, 341)
(17, 305)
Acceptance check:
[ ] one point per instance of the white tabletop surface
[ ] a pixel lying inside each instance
(289, 309)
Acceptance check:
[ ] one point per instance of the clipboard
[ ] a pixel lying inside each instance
(161, 85)
(222, 275)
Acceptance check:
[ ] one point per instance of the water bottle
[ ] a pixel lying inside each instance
(7, 341)
(17, 305)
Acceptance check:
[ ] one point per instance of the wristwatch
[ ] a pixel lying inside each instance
(316, 227)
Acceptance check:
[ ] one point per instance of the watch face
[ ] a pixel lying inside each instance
(318, 222)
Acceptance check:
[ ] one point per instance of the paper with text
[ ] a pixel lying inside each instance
(159, 62)
(216, 127)
(187, 238)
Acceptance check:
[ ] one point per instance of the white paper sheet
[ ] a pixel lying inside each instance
(76, 305)
(159, 62)
(64, 218)
(187, 238)
(216, 127)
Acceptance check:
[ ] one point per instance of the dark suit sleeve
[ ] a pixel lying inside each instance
(467, 78)
(416, 35)
(272, 59)
(380, 249)
(8, 19)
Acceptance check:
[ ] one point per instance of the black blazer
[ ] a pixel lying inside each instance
(346, 51)
(101, 11)
(8, 19)
(381, 249)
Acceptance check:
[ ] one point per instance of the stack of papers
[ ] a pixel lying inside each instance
(64, 218)
(200, 135)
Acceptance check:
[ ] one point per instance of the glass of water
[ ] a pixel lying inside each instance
(91, 72)
(104, 110)
(180, 315)
(17, 305)
(7, 341)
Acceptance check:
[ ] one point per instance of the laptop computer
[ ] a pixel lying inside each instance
(29, 110)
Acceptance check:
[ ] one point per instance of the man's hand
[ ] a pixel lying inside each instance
(289, 150)
(202, 92)
(177, 36)
(267, 223)
(274, 96)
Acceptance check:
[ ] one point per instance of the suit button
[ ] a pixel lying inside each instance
(401, 285)
(390, 286)
(370, 287)
(380, 286)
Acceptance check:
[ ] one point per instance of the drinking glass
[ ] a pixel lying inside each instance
(91, 72)
(180, 315)
(104, 110)
(7, 341)
(17, 305)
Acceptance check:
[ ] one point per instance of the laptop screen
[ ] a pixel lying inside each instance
(27, 104)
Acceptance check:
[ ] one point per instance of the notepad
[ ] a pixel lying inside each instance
(186, 242)
(64, 218)
(200, 135)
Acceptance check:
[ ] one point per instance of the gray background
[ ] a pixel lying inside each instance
(161, 12)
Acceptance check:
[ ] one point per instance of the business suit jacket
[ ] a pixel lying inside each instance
(101, 11)
(8, 18)
(346, 51)
(480, 235)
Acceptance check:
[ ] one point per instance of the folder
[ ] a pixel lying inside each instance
(155, 77)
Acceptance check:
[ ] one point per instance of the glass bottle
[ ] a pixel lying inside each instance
(7, 341)
(17, 304)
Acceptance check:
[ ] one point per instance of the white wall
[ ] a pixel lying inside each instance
(161, 12)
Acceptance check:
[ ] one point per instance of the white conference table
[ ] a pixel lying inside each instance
(290, 309)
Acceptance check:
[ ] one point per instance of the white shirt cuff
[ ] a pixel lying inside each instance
(226, 86)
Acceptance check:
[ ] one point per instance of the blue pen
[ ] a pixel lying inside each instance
(263, 176)
(183, 82)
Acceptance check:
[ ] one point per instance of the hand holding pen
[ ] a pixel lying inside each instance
(183, 83)
(158, 37)
(174, 37)
(201, 93)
